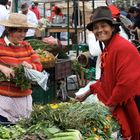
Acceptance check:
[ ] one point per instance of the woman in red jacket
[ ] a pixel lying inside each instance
(119, 85)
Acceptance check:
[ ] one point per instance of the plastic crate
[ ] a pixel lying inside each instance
(41, 96)
(83, 47)
(62, 68)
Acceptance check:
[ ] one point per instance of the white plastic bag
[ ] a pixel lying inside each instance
(90, 99)
(40, 77)
(72, 82)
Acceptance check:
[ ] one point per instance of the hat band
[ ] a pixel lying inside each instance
(18, 24)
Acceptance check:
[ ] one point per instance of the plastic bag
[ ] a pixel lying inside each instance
(50, 40)
(90, 99)
(72, 82)
(40, 77)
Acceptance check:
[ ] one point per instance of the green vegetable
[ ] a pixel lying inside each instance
(39, 44)
(73, 135)
(78, 116)
(19, 80)
(62, 55)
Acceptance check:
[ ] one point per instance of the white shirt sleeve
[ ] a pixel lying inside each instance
(3, 15)
(94, 47)
(32, 19)
(95, 50)
(123, 33)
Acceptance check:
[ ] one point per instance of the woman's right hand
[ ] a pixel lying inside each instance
(8, 72)
(82, 97)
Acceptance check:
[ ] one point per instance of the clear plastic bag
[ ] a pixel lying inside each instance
(41, 78)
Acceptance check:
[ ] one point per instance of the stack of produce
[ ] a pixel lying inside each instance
(47, 59)
(65, 121)
(45, 48)
(50, 47)
(44, 22)
(39, 44)
(78, 68)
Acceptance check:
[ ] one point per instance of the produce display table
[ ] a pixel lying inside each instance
(59, 29)
(64, 29)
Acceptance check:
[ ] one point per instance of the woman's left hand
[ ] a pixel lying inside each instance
(27, 65)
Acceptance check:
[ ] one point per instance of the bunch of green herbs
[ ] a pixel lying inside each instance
(19, 80)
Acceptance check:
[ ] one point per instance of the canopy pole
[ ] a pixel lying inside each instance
(68, 20)
(16, 6)
(75, 6)
(84, 21)
(93, 5)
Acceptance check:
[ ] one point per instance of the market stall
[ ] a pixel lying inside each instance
(71, 120)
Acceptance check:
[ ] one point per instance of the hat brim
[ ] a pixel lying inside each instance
(24, 25)
(91, 24)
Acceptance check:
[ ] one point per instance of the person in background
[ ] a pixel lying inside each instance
(32, 19)
(138, 5)
(78, 15)
(132, 11)
(8, 6)
(57, 18)
(53, 8)
(124, 10)
(3, 14)
(34, 8)
(124, 31)
(135, 14)
(76, 20)
(15, 103)
(56, 15)
(119, 85)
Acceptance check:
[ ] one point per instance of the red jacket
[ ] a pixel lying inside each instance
(120, 84)
(36, 11)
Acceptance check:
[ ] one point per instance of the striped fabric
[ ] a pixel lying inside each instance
(12, 56)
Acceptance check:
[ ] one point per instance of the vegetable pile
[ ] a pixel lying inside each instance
(55, 49)
(39, 44)
(89, 72)
(65, 121)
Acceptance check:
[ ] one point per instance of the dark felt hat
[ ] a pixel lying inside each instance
(100, 13)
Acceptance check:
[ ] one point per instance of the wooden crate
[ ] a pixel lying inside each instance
(62, 68)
